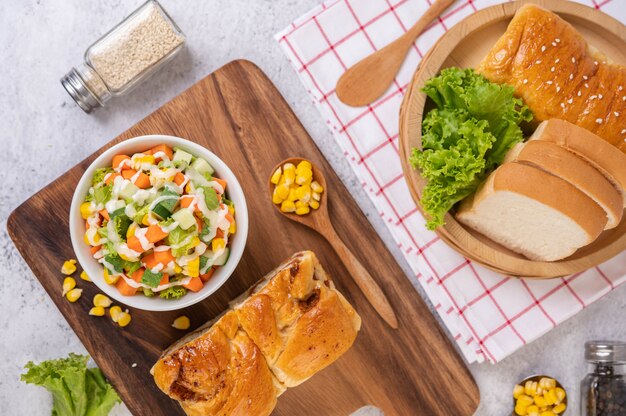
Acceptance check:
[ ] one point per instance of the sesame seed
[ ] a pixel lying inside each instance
(553, 43)
(557, 61)
(586, 85)
(557, 40)
(525, 81)
(585, 77)
(552, 69)
(599, 96)
(549, 82)
(593, 97)
(538, 61)
(616, 113)
(134, 365)
(558, 89)
(595, 63)
(573, 60)
(562, 105)
(578, 93)
(599, 120)
(620, 88)
(571, 76)
(543, 48)
(624, 98)
(624, 131)
(570, 101)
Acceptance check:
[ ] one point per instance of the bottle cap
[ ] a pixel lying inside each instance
(605, 351)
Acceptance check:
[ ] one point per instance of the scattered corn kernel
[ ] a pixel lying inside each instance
(123, 319)
(110, 279)
(525, 400)
(316, 196)
(560, 393)
(69, 267)
(550, 397)
(96, 311)
(520, 409)
(559, 408)
(74, 294)
(69, 283)
(540, 401)
(287, 206)
(276, 176)
(314, 204)
(115, 312)
(316, 187)
(275, 198)
(303, 210)
(85, 276)
(305, 164)
(303, 176)
(85, 210)
(102, 300)
(182, 322)
(517, 391)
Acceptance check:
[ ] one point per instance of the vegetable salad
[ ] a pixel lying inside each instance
(159, 222)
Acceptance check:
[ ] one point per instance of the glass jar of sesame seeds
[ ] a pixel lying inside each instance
(125, 56)
(603, 391)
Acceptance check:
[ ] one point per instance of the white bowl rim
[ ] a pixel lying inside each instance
(95, 270)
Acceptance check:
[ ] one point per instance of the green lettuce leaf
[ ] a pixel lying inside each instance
(210, 197)
(151, 279)
(173, 292)
(98, 176)
(181, 240)
(76, 390)
(102, 194)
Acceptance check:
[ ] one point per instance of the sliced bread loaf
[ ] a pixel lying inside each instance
(603, 156)
(560, 162)
(533, 213)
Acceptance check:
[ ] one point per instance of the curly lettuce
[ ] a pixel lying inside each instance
(475, 124)
(76, 390)
(181, 240)
(174, 292)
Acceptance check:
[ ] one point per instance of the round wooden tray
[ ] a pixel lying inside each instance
(465, 45)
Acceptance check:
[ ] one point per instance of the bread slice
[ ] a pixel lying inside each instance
(560, 162)
(533, 213)
(607, 159)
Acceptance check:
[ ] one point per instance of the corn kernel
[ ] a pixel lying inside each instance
(316, 196)
(304, 176)
(85, 210)
(316, 187)
(144, 220)
(85, 276)
(74, 294)
(299, 204)
(293, 195)
(517, 390)
(532, 409)
(303, 210)
(182, 323)
(528, 388)
(131, 230)
(289, 173)
(68, 267)
(123, 319)
(525, 400)
(231, 210)
(233, 228)
(110, 279)
(276, 176)
(195, 242)
(305, 164)
(550, 397)
(146, 159)
(560, 393)
(188, 188)
(520, 409)
(302, 191)
(69, 283)
(282, 191)
(547, 413)
(314, 204)
(115, 312)
(177, 268)
(287, 206)
(193, 267)
(102, 300)
(540, 401)
(217, 244)
(275, 198)
(559, 408)
(96, 311)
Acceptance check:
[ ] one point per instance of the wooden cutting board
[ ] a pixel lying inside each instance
(237, 113)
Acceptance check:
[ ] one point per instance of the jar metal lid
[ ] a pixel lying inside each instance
(75, 86)
(605, 351)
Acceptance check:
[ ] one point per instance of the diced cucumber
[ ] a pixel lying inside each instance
(160, 211)
(128, 190)
(202, 166)
(165, 208)
(185, 219)
(222, 258)
(206, 262)
(181, 158)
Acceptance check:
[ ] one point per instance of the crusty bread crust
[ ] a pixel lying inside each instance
(560, 162)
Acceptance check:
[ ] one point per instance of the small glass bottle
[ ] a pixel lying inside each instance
(603, 390)
(125, 56)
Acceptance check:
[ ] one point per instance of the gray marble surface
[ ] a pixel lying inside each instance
(43, 134)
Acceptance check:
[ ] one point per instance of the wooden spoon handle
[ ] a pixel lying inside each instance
(431, 14)
(364, 280)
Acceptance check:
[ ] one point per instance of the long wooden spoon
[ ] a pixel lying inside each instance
(319, 220)
(369, 78)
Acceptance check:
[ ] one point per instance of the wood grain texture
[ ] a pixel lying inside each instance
(237, 113)
(465, 45)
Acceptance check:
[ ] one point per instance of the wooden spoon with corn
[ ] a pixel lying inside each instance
(299, 192)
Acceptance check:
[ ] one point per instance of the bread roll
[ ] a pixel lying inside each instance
(553, 70)
(290, 325)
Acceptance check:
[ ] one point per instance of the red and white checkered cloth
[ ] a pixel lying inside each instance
(489, 315)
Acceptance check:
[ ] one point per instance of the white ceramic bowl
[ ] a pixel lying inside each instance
(95, 270)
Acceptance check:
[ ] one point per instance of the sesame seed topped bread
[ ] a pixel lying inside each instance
(532, 212)
(290, 325)
(556, 73)
(597, 152)
(560, 162)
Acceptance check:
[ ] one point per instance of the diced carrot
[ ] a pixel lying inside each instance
(87, 225)
(200, 224)
(118, 159)
(205, 277)
(230, 217)
(221, 182)
(149, 261)
(165, 149)
(164, 257)
(195, 284)
(179, 179)
(134, 244)
(219, 233)
(128, 173)
(164, 280)
(105, 214)
(186, 200)
(111, 178)
(155, 233)
(138, 274)
(124, 288)
(142, 181)
(148, 152)
(95, 249)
